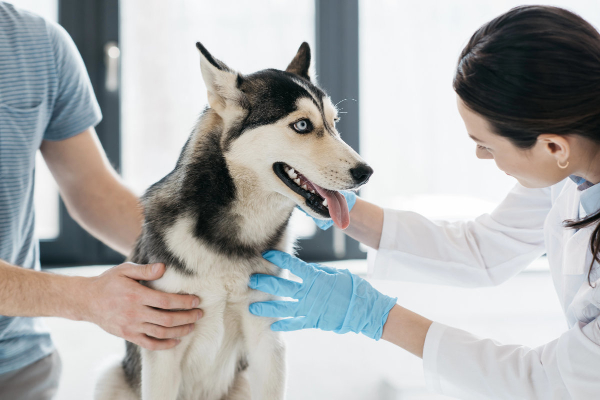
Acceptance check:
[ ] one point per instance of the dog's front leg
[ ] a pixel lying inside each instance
(266, 364)
(240, 390)
(161, 374)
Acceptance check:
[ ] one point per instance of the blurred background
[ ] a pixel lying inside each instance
(389, 64)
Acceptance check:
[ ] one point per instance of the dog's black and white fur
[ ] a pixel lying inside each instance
(228, 199)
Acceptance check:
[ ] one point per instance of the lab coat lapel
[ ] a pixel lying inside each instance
(574, 242)
(575, 252)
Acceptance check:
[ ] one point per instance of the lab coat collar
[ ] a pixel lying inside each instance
(590, 194)
(577, 179)
(590, 199)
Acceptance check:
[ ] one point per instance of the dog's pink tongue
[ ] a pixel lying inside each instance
(338, 208)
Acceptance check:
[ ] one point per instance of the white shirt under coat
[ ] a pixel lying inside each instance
(488, 251)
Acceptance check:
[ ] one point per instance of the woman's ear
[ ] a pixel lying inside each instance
(222, 83)
(557, 146)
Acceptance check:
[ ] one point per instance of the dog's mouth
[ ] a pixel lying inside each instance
(326, 203)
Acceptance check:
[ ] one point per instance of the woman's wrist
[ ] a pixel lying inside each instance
(406, 329)
(366, 223)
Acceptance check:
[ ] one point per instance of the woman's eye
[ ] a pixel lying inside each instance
(483, 148)
(302, 126)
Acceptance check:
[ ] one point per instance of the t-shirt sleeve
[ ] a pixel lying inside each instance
(75, 106)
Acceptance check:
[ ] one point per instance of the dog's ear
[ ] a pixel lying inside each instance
(301, 63)
(221, 81)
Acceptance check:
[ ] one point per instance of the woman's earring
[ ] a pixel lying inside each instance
(562, 166)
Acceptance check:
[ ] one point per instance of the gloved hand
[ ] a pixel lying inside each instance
(328, 299)
(325, 224)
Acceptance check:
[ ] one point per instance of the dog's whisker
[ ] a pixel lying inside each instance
(341, 101)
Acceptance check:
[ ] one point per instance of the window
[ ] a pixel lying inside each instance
(92, 24)
(47, 8)
(163, 92)
(411, 132)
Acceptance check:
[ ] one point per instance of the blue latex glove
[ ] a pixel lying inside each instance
(325, 224)
(328, 299)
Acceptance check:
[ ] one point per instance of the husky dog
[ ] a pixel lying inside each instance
(266, 144)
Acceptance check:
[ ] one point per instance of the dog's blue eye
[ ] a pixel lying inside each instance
(302, 126)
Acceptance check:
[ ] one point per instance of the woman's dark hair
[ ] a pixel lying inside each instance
(536, 70)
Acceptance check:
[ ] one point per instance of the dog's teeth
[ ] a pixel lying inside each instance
(291, 170)
(325, 202)
(312, 191)
(297, 181)
(294, 176)
(304, 187)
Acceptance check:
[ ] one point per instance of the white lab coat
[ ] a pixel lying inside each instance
(488, 251)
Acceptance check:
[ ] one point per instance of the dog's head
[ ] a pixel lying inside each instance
(281, 127)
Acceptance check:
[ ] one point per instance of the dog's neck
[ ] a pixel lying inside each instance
(262, 214)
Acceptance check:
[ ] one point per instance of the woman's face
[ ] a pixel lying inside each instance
(533, 168)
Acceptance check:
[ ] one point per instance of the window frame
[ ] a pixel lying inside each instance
(91, 24)
(337, 65)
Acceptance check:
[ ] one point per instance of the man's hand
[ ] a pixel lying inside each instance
(120, 305)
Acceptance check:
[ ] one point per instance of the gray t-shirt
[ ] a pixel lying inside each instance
(45, 94)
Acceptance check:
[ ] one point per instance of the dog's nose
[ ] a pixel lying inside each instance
(361, 173)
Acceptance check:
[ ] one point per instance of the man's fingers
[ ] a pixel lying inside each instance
(147, 272)
(274, 285)
(168, 301)
(275, 309)
(155, 344)
(160, 332)
(169, 319)
(289, 324)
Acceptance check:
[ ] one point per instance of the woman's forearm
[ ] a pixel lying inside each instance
(406, 329)
(366, 223)
(403, 327)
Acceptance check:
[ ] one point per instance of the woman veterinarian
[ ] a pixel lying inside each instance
(528, 90)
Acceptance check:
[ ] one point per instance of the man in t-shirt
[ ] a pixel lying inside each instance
(47, 103)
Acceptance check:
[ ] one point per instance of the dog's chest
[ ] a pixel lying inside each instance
(215, 280)
(214, 350)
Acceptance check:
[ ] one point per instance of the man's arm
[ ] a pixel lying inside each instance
(97, 199)
(25, 293)
(115, 301)
(92, 191)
